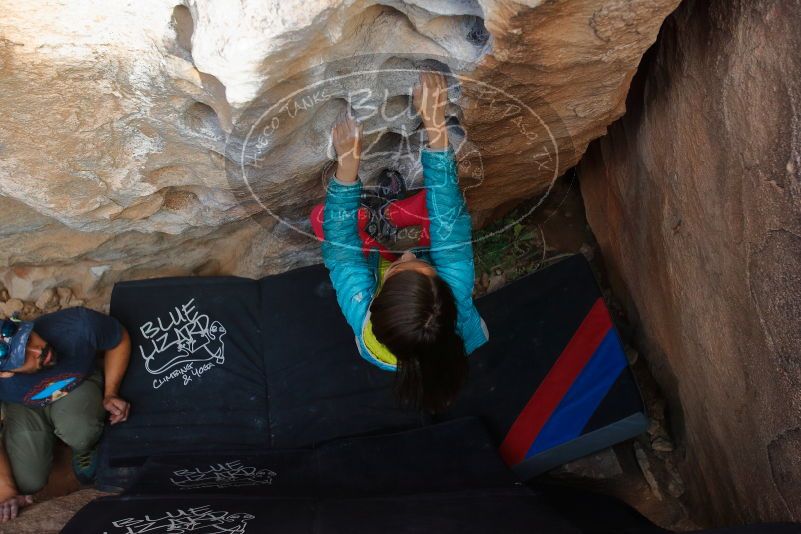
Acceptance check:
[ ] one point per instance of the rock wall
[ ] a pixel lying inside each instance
(121, 119)
(695, 198)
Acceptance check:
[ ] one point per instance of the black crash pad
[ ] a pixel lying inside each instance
(511, 511)
(443, 477)
(552, 383)
(452, 456)
(196, 376)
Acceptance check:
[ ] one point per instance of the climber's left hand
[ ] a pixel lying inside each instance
(347, 138)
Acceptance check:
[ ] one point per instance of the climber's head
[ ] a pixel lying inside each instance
(409, 262)
(414, 315)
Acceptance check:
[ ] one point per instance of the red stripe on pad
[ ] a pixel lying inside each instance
(556, 384)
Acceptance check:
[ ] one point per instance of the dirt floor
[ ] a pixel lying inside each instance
(62, 480)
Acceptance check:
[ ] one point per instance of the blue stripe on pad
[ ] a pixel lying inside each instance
(584, 396)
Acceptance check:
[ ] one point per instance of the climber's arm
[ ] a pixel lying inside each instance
(451, 241)
(450, 225)
(350, 274)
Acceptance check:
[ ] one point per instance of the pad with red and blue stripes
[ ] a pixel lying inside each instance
(553, 382)
(563, 403)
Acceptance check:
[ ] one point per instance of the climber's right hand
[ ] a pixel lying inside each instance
(347, 139)
(430, 98)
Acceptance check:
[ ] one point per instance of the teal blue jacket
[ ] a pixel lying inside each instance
(354, 276)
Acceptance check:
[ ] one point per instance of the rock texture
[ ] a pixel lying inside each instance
(120, 119)
(695, 198)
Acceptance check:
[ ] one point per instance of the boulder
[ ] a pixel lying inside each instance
(695, 199)
(64, 296)
(10, 307)
(122, 121)
(47, 300)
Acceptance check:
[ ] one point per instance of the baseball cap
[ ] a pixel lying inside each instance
(14, 336)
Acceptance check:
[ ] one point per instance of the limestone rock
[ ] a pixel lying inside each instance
(64, 296)
(47, 300)
(29, 311)
(10, 307)
(645, 467)
(121, 119)
(695, 198)
(661, 444)
(496, 281)
(601, 465)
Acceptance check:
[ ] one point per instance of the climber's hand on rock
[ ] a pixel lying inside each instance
(347, 138)
(430, 98)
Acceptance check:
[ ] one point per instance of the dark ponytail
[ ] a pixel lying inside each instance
(414, 315)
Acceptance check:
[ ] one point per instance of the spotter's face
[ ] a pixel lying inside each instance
(39, 354)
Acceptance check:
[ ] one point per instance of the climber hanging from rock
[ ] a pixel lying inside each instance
(412, 313)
